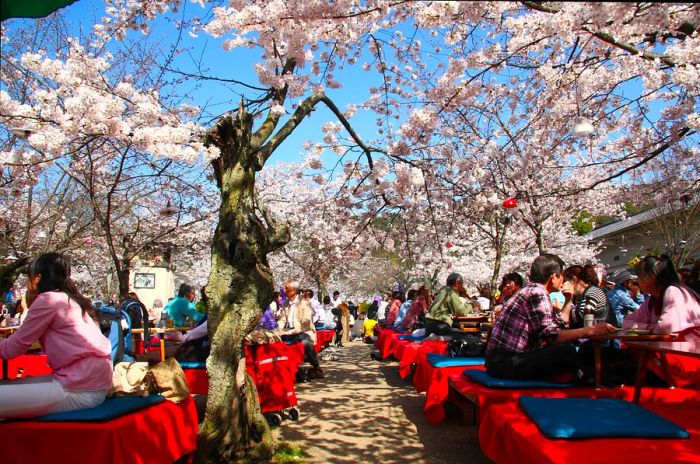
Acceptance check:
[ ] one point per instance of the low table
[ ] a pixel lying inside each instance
(648, 348)
(471, 323)
(161, 335)
(597, 341)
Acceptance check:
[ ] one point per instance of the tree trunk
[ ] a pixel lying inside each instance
(539, 238)
(123, 279)
(9, 273)
(240, 285)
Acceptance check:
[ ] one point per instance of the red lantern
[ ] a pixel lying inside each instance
(510, 203)
(449, 244)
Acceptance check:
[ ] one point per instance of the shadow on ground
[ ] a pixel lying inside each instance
(362, 411)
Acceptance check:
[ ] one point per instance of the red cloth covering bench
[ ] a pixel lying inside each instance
(323, 338)
(162, 433)
(30, 365)
(508, 435)
(410, 352)
(487, 397)
(434, 381)
(197, 380)
(273, 368)
(386, 342)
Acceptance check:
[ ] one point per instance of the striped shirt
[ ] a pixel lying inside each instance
(599, 301)
(526, 322)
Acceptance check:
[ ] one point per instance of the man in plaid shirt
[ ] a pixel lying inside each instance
(529, 339)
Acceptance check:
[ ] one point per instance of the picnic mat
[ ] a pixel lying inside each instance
(575, 418)
(493, 382)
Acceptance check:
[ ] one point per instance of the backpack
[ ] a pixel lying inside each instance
(116, 325)
(468, 346)
(136, 311)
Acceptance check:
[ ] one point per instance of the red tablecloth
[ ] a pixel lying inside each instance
(507, 435)
(29, 364)
(410, 353)
(161, 433)
(487, 397)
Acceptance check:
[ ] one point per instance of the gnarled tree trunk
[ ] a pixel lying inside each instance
(240, 284)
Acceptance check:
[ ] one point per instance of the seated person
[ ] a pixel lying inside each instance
(528, 340)
(483, 303)
(318, 312)
(356, 332)
(419, 306)
(195, 345)
(447, 304)
(582, 287)
(622, 296)
(61, 319)
(671, 308)
(181, 307)
(403, 309)
(329, 318)
(368, 329)
(298, 327)
(393, 309)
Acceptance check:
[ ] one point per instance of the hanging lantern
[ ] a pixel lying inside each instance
(449, 244)
(510, 203)
(583, 127)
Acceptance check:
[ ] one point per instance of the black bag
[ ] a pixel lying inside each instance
(468, 346)
(136, 311)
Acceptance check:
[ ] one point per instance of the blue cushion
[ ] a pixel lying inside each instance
(494, 382)
(442, 360)
(597, 418)
(412, 338)
(193, 364)
(110, 409)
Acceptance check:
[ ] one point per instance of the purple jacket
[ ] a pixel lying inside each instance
(268, 321)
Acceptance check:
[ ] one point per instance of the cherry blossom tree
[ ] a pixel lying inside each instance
(454, 86)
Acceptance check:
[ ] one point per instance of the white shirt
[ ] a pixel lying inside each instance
(329, 320)
(484, 303)
(292, 308)
(337, 301)
(318, 312)
(381, 311)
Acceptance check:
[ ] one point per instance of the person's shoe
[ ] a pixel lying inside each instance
(316, 373)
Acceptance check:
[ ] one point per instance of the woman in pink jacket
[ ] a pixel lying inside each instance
(60, 318)
(671, 307)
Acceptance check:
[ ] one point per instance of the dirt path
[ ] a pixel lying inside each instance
(363, 412)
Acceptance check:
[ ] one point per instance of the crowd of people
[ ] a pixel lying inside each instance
(539, 325)
(54, 312)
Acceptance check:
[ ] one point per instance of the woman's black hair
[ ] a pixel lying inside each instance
(55, 276)
(663, 271)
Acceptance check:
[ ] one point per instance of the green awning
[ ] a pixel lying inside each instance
(30, 8)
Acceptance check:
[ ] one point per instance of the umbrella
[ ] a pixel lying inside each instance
(30, 8)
